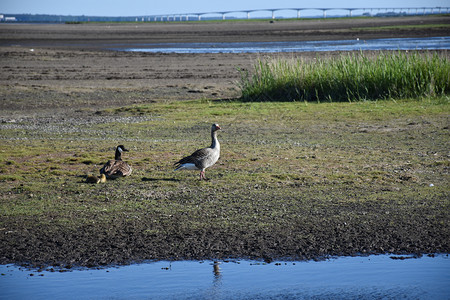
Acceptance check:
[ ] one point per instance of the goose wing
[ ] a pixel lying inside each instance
(197, 158)
(116, 168)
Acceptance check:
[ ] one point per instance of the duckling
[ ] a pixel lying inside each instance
(116, 167)
(102, 179)
(94, 179)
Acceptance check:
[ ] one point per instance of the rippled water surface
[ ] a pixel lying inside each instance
(373, 277)
(272, 47)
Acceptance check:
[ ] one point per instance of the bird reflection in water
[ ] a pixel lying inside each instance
(216, 291)
(216, 270)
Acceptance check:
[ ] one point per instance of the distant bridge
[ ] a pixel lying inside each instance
(273, 11)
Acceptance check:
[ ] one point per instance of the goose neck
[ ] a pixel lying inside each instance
(118, 155)
(215, 141)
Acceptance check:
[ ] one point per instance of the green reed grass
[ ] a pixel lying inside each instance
(352, 77)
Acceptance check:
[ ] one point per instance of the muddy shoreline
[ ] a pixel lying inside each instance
(52, 73)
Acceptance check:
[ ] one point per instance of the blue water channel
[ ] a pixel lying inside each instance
(432, 43)
(371, 277)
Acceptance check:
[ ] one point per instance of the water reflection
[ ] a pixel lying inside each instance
(373, 277)
(216, 289)
(301, 46)
(216, 270)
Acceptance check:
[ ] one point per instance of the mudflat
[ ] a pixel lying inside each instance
(302, 185)
(45, 58)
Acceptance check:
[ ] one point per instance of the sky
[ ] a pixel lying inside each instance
(157, 7)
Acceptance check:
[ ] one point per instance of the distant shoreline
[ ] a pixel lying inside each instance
(274, 13)
(95, 36)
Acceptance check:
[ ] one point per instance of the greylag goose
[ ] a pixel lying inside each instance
(116, 167)
(202, 158)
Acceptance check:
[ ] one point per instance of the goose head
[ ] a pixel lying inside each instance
(121, 148)
(215, 127)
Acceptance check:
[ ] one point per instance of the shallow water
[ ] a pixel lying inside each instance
(372, 277)
(273, 47)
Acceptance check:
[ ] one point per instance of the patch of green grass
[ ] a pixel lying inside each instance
(10, 177)
(355, 77)
(281, 163)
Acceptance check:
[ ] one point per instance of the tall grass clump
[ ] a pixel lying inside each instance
(352, 77)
